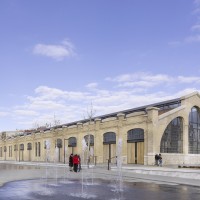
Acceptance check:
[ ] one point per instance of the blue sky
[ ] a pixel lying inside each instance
(59, 56)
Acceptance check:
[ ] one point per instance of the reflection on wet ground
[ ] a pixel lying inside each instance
(68, 189)
(100, 190)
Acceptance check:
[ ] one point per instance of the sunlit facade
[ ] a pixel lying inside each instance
(171, 128)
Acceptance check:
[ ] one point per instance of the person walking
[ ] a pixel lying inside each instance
(79, 165)
(156, 159)
(71, 162)
(160, 160)
(75, 162)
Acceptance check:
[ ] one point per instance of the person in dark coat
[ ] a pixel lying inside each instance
(71, 162)
(79, 165)
(156, 159)
(160, 160)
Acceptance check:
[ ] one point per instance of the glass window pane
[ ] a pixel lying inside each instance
(194, 131)
(172, 139)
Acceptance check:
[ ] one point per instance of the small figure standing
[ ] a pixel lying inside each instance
(160, 160)
(79, 165)
(71, 162)
(156, 159)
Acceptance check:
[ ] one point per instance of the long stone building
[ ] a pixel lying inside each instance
(171, 128)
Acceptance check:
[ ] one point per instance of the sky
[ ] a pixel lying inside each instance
(60, 59)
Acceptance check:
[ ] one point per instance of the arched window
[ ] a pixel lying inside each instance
(194, 131)
(135, 135)
(29, 146)
(89, 138)
(172, 139)
(72, 142)
(109, 138)
(39, 149)
(21, 147)
(59, 143)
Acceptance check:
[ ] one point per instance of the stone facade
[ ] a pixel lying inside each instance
(33, 146)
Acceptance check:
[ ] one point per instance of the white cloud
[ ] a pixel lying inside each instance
(92, 85)
(57, 52)
(3, 114)
(193, 38)
(190, 79)
(137, 89)
(196, 27)
(26, 113)
(140, 79)
(197, 2)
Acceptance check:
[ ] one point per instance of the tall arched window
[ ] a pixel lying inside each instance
(59, 143)
(194, 131)
(21, 147)
(172, 139)
(135, 135)
(89, 138)
(72, 142)
(29, 146)
(109, 138)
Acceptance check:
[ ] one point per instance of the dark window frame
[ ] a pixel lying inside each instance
(109, 138)
(135, 135)
(194, 131)
(172, 138)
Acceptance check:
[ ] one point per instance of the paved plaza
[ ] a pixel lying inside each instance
(12, 171)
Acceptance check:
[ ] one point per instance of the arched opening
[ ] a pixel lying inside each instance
(58, 146)
(135, 151)
(29, 148)
(89, 152)
(15, 150)
(21, 152)
(72, 144)
(5, 150)
(172, 138)
(109, 147)
(194, 131)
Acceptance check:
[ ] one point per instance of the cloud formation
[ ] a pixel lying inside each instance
(126, 91)
(57, 52)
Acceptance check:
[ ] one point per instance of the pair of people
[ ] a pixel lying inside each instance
(158, 160)
(74, 163)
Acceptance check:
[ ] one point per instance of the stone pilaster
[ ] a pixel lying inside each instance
(150, 136)
(98, 147)
(185, 138)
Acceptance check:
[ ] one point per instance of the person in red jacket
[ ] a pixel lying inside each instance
(75, 162)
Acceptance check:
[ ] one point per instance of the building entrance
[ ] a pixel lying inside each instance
(135, 146)
(136, 153)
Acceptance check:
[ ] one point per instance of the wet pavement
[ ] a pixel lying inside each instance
(99, 190)
(34, 181)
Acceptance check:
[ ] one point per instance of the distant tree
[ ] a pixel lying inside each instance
(90, 117)
(3, 135)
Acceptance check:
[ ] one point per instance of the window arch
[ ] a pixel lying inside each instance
(21, 147)
(29, 146)
(194, 131)
(91, 138)
(135, 135)
(59, 143)
(109, 138)
(172, 139)
(72, 142)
